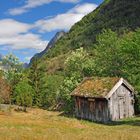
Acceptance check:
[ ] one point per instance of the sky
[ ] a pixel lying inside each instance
(26, 26)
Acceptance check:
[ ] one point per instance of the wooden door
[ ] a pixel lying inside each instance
(121, 108)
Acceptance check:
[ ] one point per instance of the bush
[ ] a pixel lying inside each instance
(24, 94)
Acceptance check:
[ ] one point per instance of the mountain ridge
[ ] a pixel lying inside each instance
(117, 15)
(52, 42)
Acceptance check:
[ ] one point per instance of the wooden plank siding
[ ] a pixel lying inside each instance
(91, 109)
(121, 104)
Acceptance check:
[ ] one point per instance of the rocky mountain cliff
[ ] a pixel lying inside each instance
(1, 57)
(50, 45)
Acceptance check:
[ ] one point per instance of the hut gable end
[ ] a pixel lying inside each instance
(118, 84)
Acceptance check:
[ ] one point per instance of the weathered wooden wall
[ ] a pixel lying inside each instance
(92, 109)
(121, 104)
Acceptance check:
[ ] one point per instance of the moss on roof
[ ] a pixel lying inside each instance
(97, 87)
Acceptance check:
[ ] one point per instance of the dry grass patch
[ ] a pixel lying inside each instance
(38, 124)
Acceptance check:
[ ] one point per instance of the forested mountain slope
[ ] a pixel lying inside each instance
(118, 15)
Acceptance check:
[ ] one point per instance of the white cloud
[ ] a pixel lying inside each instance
(60, 22)
(29, 4)
(84, 8)
(17, 35)
(10, 27)
(24, 41)
(66, 20)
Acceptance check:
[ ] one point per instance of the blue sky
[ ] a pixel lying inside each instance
(26, 26)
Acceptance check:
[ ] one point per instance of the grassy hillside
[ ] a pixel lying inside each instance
(44, 125)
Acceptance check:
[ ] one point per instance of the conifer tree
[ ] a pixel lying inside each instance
(37, 76)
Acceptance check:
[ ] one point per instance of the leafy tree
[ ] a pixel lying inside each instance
(24, 94)
(75, 61)
(81, 62)
(77, 66)
(14, 73)
(89, 67)
(120, 57)
(107, 54)
(67, 87)
(130, 53)
(11, 62)
(51, 94)
(14, 69)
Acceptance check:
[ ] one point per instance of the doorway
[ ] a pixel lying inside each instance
(121, 108)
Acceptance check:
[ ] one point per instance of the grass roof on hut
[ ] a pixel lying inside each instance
(97, 87)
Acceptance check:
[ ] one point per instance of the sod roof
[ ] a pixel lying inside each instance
(97, 87)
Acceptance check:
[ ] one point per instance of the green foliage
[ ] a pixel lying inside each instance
(89, 67)
(14, 70)
(50, 96)
(107, 54)
(24, 94)
(77, 65)
(68, 86)
(120, 57)
(37, 81)
(1, 73)
(131, 59)
(112, 56)
(97, 51)
(12, 62)
(14, 73)
(75, 62)
(45, 85)
(79, 62)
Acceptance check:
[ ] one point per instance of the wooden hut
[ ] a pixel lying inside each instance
(104, 99)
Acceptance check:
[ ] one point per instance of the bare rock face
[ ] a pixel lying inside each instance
(50, 45)
(53, 41)
(1, 57)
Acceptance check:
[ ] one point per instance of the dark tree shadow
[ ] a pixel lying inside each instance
(130, 121)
